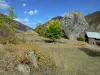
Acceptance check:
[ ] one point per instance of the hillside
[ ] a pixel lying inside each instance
(54, 18)
(93, 21)
(20, 26)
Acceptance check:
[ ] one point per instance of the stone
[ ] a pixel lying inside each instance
(33, 59)
(23, 68)
(73, 24)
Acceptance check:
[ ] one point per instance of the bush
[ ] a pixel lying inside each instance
(81, 37)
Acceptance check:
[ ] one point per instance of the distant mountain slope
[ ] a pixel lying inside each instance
(93, 21)
(58, 17)
(20, 26)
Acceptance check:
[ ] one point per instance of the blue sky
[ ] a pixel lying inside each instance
(30, 12)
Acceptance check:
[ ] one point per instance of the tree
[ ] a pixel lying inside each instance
(40, 29)
(11, 25)
(11, 13)
(54, 30)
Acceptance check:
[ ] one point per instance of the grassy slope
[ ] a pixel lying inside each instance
(71, 58)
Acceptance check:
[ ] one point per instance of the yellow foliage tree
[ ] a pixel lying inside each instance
(53, 30)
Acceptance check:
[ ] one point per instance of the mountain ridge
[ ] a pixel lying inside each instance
(20, 26)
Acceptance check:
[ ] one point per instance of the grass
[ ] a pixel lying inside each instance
(11, 55)
(68, 58)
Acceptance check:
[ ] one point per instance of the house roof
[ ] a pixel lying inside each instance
(93, 35)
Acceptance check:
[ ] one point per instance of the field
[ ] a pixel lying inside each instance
(73, 59)
(68, 57)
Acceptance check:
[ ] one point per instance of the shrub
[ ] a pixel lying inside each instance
(81, 37)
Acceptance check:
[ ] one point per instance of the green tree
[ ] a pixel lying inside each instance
(11, 13)
(54, 30)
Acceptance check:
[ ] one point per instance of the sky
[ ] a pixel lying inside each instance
(29, 12)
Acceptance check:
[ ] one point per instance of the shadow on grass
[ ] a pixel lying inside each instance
(49, 41)
(90, 52)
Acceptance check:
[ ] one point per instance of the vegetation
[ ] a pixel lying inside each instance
(7, 27)
(81, 37)
(40, 29)
(53, 30)
(11, 13)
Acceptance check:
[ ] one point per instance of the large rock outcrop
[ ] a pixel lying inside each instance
(73, 24)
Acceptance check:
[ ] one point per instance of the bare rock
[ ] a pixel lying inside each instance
(73, 24)
(24, 69)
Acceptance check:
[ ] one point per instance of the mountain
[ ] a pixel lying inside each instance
(58, 17)
(93, 21)
(20, 26)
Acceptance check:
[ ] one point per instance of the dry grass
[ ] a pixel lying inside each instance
(69, 58)
(44, 60)
(11, 55)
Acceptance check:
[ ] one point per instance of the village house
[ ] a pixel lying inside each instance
(93, 38)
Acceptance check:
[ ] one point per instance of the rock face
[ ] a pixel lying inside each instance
(73, 24)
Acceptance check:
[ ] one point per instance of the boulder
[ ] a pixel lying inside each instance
(73, 24)
(23, 68)
(33, 59)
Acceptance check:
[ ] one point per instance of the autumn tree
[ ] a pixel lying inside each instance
(40, 29)
(54, 30)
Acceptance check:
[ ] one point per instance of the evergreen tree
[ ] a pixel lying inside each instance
(11, 13)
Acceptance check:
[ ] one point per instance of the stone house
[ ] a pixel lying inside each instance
(93, 38)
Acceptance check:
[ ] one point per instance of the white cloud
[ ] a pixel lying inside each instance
(25, 12)
(35, 11)
(3, 4)
(24, 4)
(25, 20)
(31, 12)
(17, 19)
